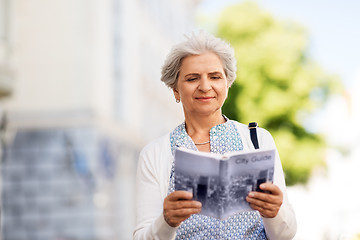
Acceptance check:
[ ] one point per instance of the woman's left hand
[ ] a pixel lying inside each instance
(267, 203)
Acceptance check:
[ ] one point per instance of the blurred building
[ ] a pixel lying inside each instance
(6, 78)
(85, 98)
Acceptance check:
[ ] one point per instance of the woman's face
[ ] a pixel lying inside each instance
(202, 86)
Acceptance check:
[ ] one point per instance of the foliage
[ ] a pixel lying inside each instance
(277, 84)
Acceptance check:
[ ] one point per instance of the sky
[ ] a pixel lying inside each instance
(332, 25)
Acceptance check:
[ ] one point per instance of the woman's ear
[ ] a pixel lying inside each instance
(228, 85)
(176, 94)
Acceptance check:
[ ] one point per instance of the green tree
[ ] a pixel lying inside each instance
(277, 84)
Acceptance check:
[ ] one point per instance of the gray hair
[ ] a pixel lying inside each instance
(197, 44)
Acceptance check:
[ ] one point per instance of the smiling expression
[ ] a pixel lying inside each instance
(202, 86)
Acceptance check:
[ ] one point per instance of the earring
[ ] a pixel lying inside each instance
(177, 100)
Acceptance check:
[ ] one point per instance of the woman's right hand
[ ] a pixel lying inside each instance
(178, 206)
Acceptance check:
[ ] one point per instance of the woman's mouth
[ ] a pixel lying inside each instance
(204, 99)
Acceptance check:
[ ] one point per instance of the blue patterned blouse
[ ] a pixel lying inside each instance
(245, 225)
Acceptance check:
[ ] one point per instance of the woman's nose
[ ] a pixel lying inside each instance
(204, 84)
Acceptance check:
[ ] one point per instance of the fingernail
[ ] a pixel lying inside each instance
(198, 204)
(251, 194)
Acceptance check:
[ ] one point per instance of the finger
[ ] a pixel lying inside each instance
(266, 197)
(268, 213)
(175, 217)
(182, 204)
(179, 195)
(183, 212)
(263, 205)
(176, 221)
(270, 187)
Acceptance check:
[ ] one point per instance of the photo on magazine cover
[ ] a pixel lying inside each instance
(222, 185)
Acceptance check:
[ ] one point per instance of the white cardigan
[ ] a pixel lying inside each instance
(152, 182)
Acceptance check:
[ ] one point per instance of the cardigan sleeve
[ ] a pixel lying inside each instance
(150, 223)
(283, 226)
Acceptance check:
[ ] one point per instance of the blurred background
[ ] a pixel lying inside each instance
(80, 95)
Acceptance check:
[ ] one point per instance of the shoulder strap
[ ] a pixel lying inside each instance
(253, 134)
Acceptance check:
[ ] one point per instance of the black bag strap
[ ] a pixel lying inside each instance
(253, 135)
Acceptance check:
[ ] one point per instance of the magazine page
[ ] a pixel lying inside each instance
(198, 172)
(245, 173)
(221, 183)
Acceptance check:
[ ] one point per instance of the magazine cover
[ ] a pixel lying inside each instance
(222, 182)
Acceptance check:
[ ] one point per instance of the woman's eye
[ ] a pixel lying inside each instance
(215, 77)
(191, 79)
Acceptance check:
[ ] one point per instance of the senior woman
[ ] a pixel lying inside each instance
(200, 71)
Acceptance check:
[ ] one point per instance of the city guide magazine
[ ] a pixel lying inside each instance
(222, 182)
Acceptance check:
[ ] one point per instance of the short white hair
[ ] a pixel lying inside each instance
(197, 44)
